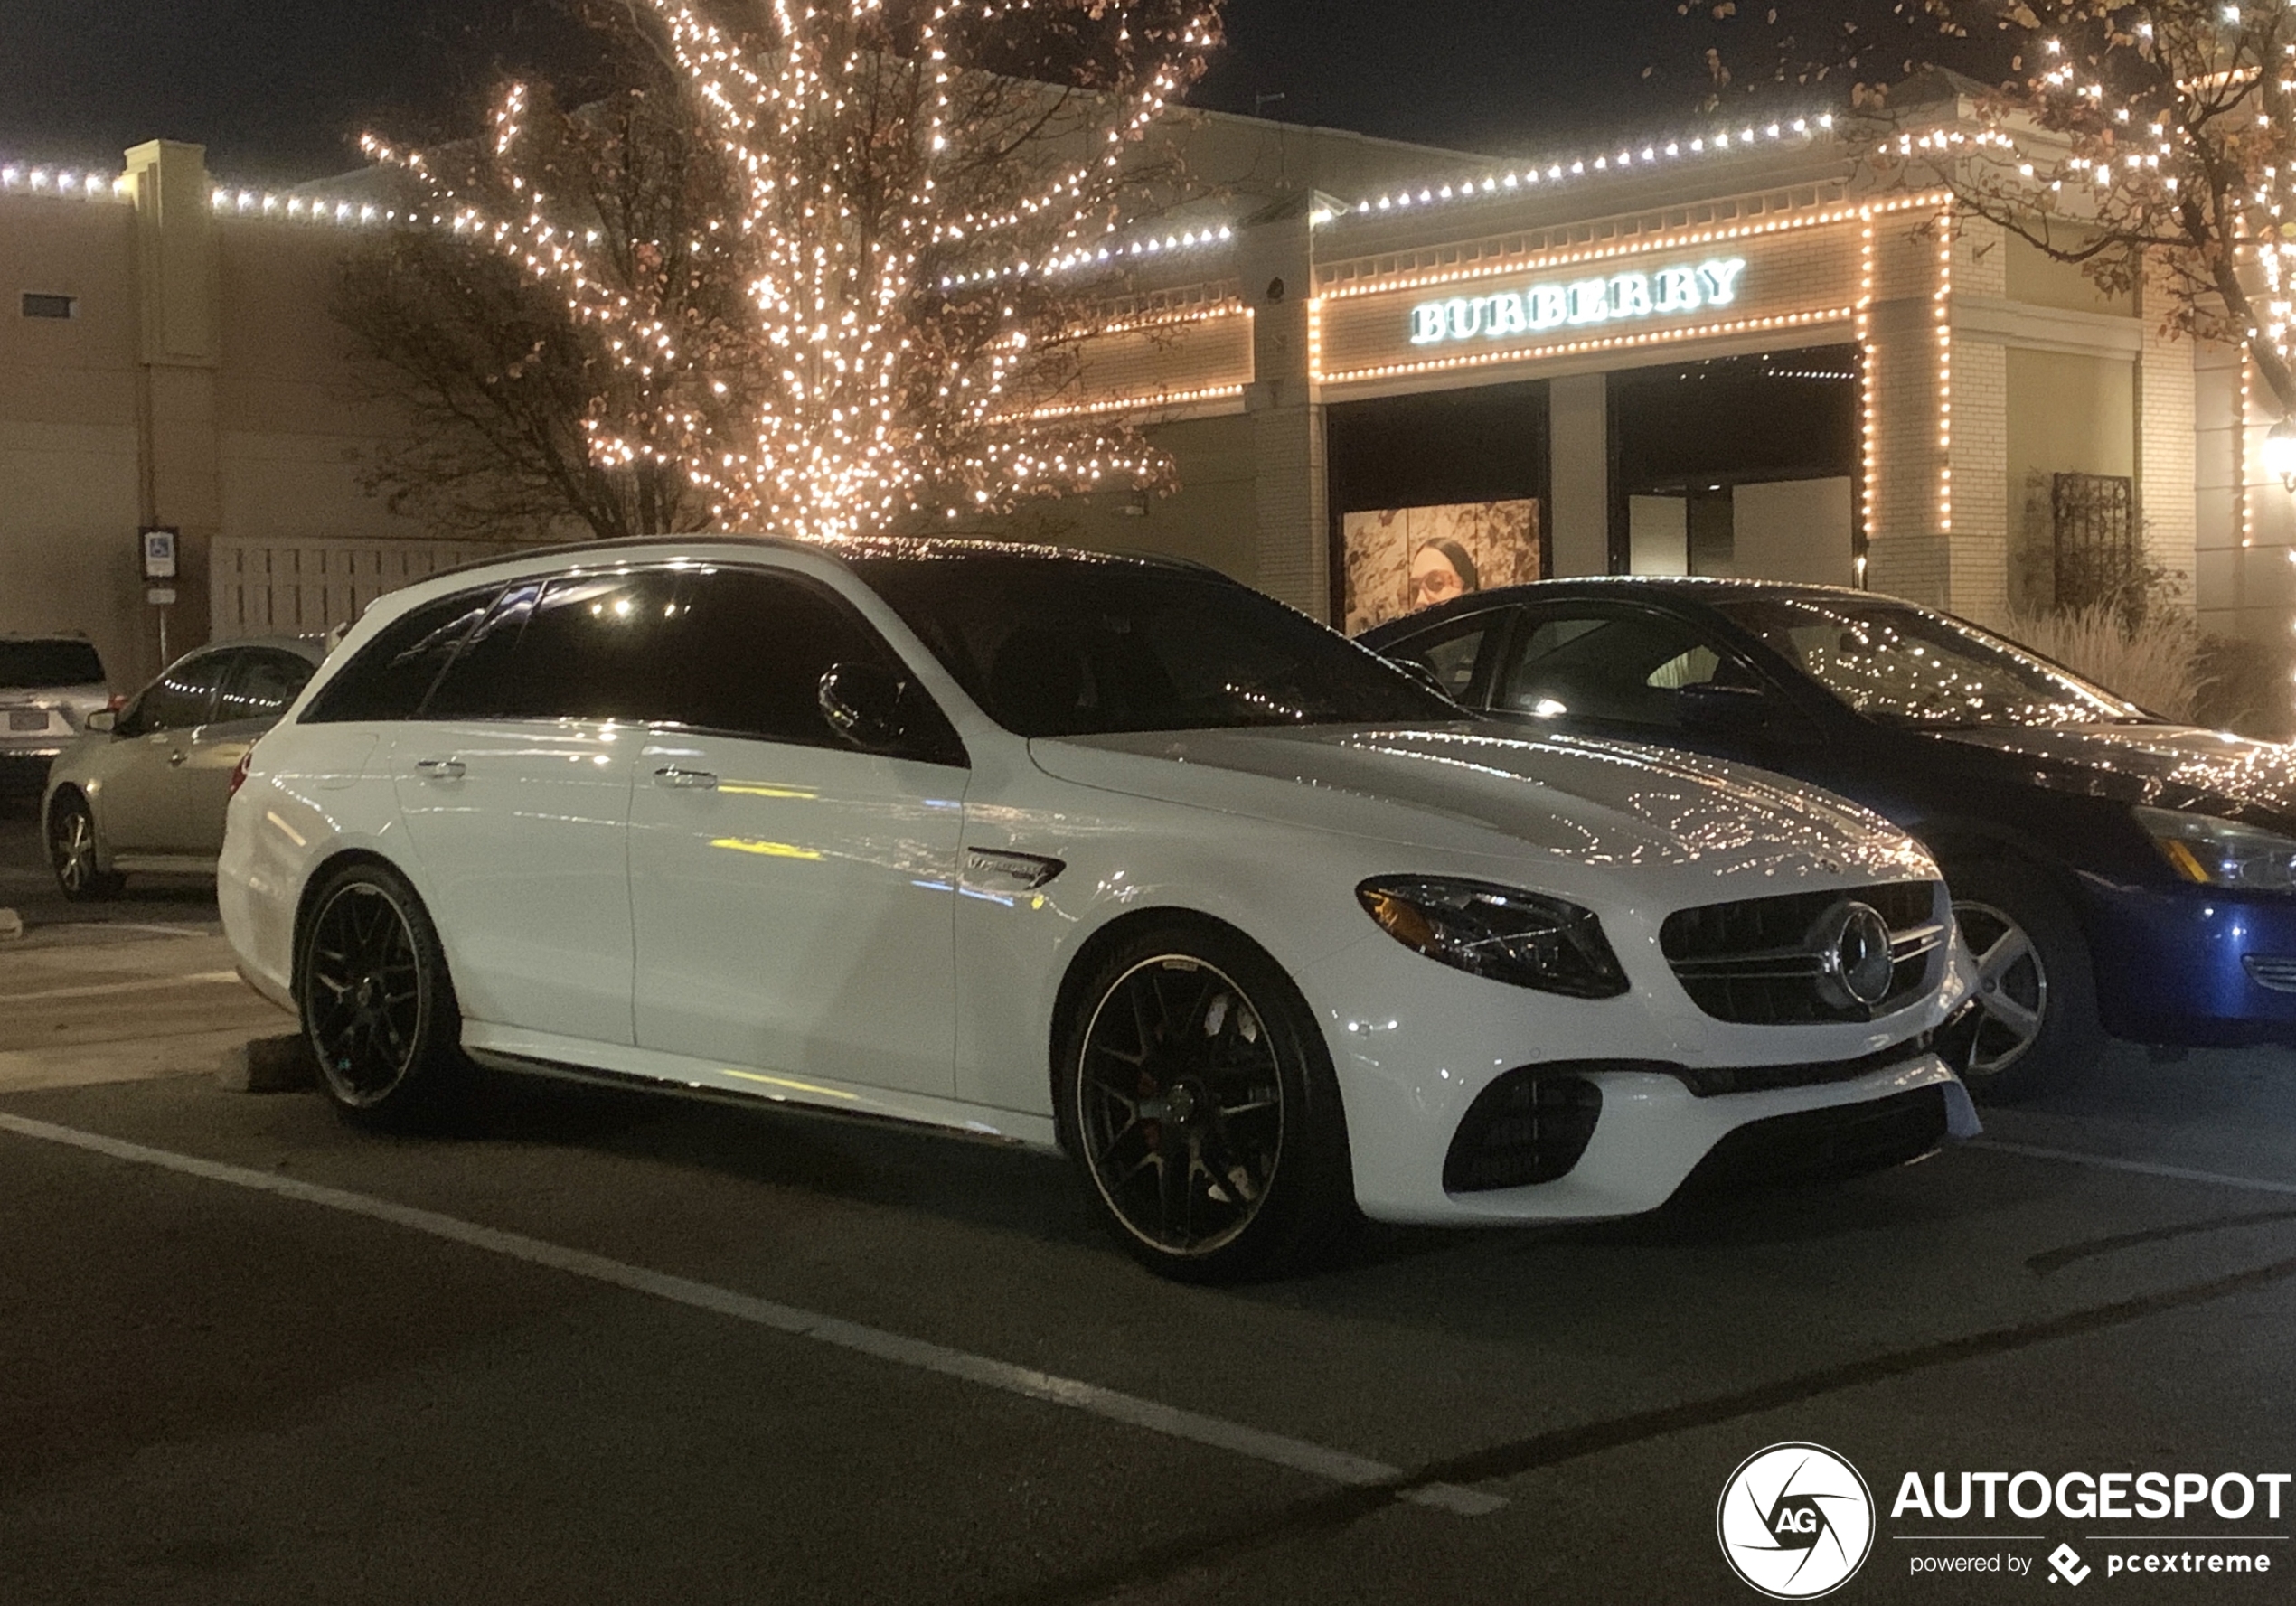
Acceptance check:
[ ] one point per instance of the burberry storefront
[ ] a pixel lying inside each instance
(1758, 357)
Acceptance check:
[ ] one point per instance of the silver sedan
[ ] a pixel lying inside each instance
(142, 789)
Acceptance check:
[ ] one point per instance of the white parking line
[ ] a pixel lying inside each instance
(1337, 1466)
(2142, 1167)
(198, 978)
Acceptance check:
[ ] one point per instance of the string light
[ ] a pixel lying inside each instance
(873, 372)
(1495, 185)
(62, 183)
(1944, 319)
(1801, 320)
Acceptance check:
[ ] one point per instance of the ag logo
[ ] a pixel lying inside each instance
(1796, 1521)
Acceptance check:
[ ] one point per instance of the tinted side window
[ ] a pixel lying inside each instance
(265, 682)
(392, 673)
(1620, 665)
(752, 652)
(579, 647)
(180, 699)
(1453, 652)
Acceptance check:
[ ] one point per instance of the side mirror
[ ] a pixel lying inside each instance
(103, 721)
(1735, 709)
(863, 703)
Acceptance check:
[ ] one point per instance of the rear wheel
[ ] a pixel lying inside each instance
(2033, 1020)
(71, 852)
(377, 1002)
(1198, 1100)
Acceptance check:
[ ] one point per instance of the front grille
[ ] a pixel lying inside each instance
(1530, 1126)
(2275, 975)
(1810, 1145)
(1760, 963)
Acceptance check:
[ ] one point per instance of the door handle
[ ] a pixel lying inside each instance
(440, 769)
(686, 780)
(175, 759)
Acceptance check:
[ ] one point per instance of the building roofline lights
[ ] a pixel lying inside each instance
(1529, 176)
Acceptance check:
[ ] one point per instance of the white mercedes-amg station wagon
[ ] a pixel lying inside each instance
(1103, 853)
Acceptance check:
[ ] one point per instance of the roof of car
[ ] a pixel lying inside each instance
(302, 645)
(846, 549)
(1692, 588)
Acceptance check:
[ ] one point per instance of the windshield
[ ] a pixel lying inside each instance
(1078, 646)
(49, 663)
(1900, 665)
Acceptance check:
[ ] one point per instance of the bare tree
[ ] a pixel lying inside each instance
(827, 275)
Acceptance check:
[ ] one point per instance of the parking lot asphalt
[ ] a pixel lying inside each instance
(609, 1347)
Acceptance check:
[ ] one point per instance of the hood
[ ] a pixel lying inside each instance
(2170, 766)
(1464, 787)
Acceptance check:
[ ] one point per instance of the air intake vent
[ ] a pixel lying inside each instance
(1526, 1129)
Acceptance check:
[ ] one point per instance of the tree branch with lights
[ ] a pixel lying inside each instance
(861, 299)
(2149, 141)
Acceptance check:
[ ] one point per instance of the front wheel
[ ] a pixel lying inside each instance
(378, 1005)
(1198, 1100)
(71, 852)
(2033, 1021)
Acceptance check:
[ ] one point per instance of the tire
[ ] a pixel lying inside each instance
(1185, 1041)
(2034, 1022)
(71, 852)
(377, 1004)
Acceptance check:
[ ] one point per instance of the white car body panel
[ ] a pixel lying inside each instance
(1269, 830)
(519, 834)
(856, 856)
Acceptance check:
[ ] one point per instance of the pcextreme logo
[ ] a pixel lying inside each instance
(1796, 1521)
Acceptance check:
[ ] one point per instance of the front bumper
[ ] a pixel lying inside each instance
(2194, 967)
(1411, 1075)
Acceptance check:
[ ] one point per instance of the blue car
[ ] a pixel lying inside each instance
(2114, 872)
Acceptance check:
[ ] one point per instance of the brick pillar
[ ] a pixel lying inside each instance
(1906, 553)
(2167, 445)
(1292, 539)
(1939, 488)
(179, 347)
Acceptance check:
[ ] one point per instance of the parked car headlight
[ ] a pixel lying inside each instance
(2222, 852)
(1503, 933)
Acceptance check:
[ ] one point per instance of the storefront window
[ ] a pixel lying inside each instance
(1742, 467)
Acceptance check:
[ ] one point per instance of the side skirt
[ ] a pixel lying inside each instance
(616, 1065)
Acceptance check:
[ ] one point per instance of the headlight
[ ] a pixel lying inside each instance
(2222, 852)
(1502, 932)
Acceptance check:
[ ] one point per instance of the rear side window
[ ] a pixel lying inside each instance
(1620, 665)
(577, 647)
(1453, 653)
(180, 699)
(395, 671)
(26, 664)
(752, 652)
(265, 682)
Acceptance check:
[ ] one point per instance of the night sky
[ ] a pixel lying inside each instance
(278, 89)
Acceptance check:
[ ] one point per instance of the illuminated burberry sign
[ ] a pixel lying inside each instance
(1618, 298)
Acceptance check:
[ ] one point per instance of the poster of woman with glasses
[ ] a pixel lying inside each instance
(1403, 559)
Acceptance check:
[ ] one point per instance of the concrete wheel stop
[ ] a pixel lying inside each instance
(269, 1065)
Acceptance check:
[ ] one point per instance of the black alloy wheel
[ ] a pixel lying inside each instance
(1198, 1102)
(2032, 1020)
(71, 852)
(377, 1003)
